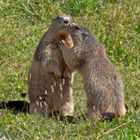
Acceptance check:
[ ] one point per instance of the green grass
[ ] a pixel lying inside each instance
(116, 23)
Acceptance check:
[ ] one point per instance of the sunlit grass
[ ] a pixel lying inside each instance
(115, 23)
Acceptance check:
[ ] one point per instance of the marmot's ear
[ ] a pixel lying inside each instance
(85, 35)
(55, 18)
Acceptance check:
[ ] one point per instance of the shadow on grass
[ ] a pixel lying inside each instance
(17, 106)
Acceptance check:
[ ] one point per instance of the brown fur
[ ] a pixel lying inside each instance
(49, 89)
(102, 84)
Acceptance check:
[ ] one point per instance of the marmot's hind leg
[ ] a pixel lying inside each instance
(40, 108)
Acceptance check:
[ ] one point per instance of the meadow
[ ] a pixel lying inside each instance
(115, 23)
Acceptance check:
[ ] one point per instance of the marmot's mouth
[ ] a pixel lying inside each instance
(66, 38)
(63, 34)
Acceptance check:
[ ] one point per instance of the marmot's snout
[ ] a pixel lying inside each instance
(66, 20)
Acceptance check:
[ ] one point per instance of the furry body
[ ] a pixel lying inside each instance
(49, 90)
(102, 83)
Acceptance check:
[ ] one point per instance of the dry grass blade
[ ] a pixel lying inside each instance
(111, 130)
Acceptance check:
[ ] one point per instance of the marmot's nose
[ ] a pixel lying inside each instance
(66, 19)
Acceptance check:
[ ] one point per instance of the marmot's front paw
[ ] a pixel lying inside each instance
(60, 45)
(57, 72)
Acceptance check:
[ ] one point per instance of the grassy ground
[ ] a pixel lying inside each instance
(116, 23)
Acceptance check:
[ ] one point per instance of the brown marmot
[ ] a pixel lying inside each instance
(102, 83)
(49, 89)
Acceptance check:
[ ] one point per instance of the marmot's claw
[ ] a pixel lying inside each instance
(60, 45)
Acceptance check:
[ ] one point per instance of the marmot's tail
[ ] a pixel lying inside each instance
(15, 105)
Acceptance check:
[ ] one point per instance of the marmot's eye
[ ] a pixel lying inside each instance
(77, 28)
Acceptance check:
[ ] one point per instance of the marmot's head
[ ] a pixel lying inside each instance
(61, 20)
(80, 39)
(75, 53)
(58, 27)
(81, 34)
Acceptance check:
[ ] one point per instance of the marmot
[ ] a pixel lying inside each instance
(49, 89)
(102, 83)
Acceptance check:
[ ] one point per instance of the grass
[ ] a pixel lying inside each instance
(115, 23)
